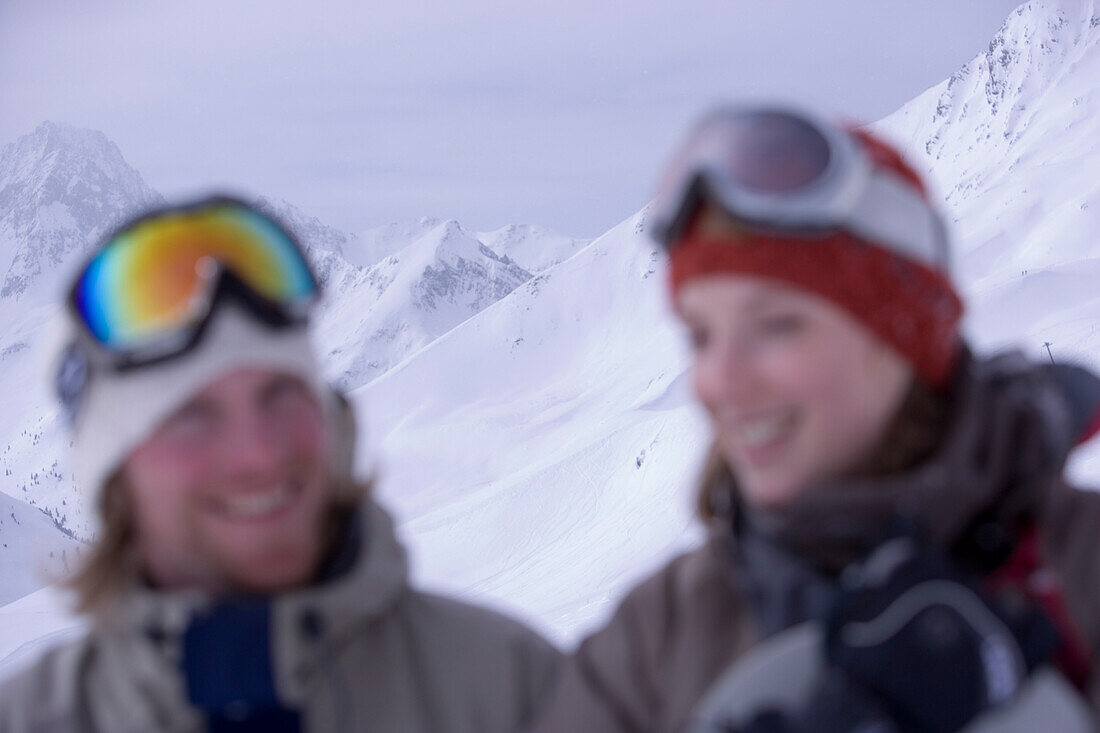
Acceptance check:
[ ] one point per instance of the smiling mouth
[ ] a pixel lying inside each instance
(257, 505)
(759, 439)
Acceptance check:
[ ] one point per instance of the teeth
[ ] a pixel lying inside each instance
(249, 506)
(761, 432)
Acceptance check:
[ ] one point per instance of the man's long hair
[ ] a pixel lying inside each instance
(111, 564)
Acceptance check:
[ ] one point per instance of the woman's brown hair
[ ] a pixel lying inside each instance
(715, 487)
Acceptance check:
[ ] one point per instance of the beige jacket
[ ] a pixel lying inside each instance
(364, 652)
(677, 632)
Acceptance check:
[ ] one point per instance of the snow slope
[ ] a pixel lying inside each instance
(32, 549)
(33, 624)
(539, 453)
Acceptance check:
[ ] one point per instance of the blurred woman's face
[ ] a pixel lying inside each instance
(797, 390)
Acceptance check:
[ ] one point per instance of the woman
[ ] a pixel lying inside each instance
(892, 541)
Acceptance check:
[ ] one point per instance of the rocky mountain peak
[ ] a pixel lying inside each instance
(1039, 43)
(1038, 74)
(61, 188)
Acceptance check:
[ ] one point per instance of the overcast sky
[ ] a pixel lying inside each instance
(486, 111)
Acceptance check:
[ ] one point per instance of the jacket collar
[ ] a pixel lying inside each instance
(377, 576)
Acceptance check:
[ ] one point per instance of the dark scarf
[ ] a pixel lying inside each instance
(227, 650)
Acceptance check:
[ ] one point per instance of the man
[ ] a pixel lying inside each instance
(241, 581)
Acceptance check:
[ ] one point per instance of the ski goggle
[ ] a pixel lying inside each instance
(151, 287)
(786, 172)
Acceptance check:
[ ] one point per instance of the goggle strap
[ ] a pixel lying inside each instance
(668, 226)
(71, 380)
(892, 213)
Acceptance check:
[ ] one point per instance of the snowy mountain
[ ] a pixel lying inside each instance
(375, 245)
(402, 303)
(324, 245)
(434, 276)
(532, 247)
(60, 189)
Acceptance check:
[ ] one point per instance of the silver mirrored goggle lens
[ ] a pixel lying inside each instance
(773, 152)
(737, 153)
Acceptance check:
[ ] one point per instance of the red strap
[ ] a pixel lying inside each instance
(1092, 429)
(1026, 570)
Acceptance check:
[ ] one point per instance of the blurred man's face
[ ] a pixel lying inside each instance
(231, 492)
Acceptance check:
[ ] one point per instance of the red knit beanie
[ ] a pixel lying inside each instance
(910, 305)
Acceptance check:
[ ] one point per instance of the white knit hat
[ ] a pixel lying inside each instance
(119, 411)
